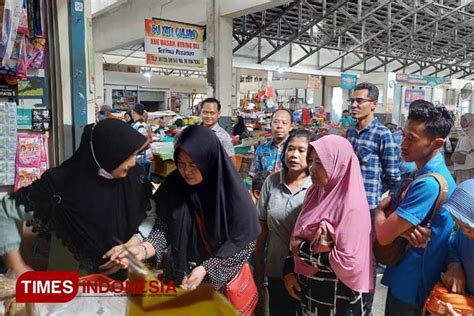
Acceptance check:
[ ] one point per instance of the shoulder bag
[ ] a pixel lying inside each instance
(241, 291)
(394, 252)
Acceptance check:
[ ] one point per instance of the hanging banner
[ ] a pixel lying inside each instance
(434, 82)
(173, 43)
(314, 82)
(348, 81)
(412, 95)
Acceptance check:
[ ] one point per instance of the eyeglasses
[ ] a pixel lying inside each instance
(359, 100)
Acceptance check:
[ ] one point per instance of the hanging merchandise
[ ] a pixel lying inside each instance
(7, 143)
(41, 120)
(22, 43)
(31, 158)
(10, 21)
(24, 118)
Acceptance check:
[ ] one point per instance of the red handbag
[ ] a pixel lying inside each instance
(242, 291)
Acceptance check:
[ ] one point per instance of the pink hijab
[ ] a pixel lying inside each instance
(342, 203)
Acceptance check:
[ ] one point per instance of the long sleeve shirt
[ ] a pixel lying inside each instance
(219, 270)
(378, 157)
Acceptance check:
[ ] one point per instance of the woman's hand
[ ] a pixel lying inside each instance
(15, 264)
(194, 279)
(454, 279)
(134, 241)
(294, 245)
(138, 251)
(292, 286)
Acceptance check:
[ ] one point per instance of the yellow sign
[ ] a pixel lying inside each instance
(173, 43)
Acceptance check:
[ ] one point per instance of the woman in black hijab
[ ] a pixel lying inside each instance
(97, 195)
(206, 221)
(239, 128)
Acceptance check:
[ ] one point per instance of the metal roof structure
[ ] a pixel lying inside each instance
(435, 36)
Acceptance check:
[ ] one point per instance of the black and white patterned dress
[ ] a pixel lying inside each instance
(323, 294)
(219, 270)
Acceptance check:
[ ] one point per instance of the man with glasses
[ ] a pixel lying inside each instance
(268, 156)
(377, 152)
(210, 114)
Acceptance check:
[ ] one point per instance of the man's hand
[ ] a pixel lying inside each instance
(418, 236)
(454, 279)
(292, 286)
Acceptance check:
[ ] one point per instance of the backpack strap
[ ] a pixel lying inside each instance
(443, 193)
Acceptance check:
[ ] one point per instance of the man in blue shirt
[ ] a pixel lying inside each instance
(268, 156)
(377, 152)
(346, 120)
(373, 144)
(410, 281)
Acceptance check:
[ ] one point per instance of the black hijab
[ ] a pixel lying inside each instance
(221, 200)
(239, 128)
(86, 210)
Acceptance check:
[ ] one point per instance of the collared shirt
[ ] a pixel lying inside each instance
(412, 279)
(279, 207)
(398, 137)
(267, 158)
(225, 139)
(379, 159)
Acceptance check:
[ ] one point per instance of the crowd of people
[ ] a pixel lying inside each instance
(317, 206)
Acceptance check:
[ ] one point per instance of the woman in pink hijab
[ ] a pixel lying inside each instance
(331, 243)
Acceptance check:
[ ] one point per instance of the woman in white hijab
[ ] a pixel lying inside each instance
(463, 156)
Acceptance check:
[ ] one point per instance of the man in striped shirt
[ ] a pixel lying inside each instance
(377, 151)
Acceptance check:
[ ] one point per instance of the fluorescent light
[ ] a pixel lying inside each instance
(280, 70)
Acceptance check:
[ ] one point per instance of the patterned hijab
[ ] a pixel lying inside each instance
(343, 205)
(460, 203)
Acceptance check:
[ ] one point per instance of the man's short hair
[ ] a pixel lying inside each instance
(212, 100)
(438, 122)
(345, 111)
(373, 91)
(259, 179)
(286, 110)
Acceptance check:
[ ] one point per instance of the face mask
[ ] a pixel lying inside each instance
(102, 172)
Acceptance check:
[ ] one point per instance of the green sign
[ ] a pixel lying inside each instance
(32, 87)
(424, 80)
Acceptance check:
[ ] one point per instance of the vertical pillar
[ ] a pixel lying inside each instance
(219, 62)
(78, 69)
(99, 96)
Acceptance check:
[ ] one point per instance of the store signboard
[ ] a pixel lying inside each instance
(348, 81)
(434, 82)
(173, 43)
(412, 95)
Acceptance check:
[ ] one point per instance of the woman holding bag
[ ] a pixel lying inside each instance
(206, 220)
(463, 156)
(331, 243)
